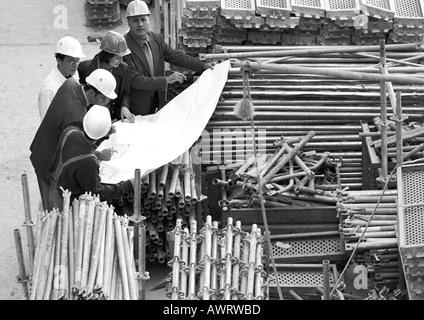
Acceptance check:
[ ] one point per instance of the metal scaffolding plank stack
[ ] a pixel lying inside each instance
(411, 227)
(105, 13)
(342, 9)
(308, 8)
(381, 9)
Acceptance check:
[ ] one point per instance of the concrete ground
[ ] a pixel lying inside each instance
(29, 31)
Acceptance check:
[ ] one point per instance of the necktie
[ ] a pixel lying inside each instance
(149, 56)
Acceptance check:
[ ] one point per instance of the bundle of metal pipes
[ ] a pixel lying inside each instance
(84, 252)
(214, 264)
(328, 89)
(378, 248)
(291, 178)
(168, 193)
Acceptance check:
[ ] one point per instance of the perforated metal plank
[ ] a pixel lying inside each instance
(273, 8)
(380, 9)
(342, 9)
(408, 13)
(301, 276)
(308, 250)
(308, 8)
(411, 205)
(238, 9)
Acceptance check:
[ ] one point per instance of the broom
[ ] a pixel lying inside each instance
(245, 110)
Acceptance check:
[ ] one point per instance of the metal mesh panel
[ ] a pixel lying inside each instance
(300, 279)
(273, 3)
(298, 248)
(308, 3)
(413, 184)
(408, 8)
(341, 4)
(414, 225)
(238, 4)
(384, 4)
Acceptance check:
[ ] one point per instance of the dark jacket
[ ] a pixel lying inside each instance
(83, 175)
(144, 85)
(122, 77)
(67, 108)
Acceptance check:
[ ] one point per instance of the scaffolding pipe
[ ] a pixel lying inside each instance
(28, 221)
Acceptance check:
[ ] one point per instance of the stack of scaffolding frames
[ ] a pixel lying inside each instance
(380, 9)
(342, 9)
(308, 8)
(408, 13)
(238, 9)
(275, 9)
(411, 227)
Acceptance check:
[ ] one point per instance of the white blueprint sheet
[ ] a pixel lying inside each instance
(155, 140)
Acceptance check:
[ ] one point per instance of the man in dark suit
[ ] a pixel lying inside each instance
(68, 108)
(149, 52)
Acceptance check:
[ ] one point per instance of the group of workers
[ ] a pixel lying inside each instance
(79, 101)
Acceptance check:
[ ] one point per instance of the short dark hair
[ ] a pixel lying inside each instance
(60, 56)
(90, 87)
(105, 57)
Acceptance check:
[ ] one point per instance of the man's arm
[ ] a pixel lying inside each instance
(140, 81)
(44, 99)
(89, 180)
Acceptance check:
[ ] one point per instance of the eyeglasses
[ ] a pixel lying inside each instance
(72, 62)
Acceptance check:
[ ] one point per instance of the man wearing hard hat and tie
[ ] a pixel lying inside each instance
(149, 52)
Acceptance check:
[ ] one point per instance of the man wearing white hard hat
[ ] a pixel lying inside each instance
(149, 52)
(68, 54)
(113, 47)
(78, 171)
(68, 108)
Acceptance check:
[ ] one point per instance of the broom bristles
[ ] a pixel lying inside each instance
(244, 109)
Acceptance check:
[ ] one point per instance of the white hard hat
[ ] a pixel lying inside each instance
(97, 122)
(69, 46)
(137, 8)
(113, 42)
(103, 81)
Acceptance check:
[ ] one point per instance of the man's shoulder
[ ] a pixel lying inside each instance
(53, 81)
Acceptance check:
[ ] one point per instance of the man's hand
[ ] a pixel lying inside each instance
(127, 115)
(112, 130)
(208, 65)
(106, 154)
(176, 77)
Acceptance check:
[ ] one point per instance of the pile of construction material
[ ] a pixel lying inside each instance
(168, 193)
(368, 219)
(217, 264)
(307, 95)
(103, 13)
(298, 23)
(84, 252)
(291, 177)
